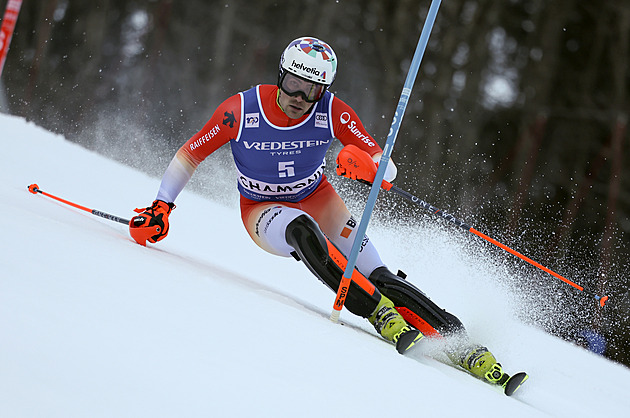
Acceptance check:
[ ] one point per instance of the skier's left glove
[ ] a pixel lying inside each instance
(356, 164)
(152, 223)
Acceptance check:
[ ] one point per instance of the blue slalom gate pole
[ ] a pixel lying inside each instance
(344, 285)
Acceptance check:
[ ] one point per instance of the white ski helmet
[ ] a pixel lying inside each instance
(311, 59)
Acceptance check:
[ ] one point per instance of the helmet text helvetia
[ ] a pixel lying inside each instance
(302, 67)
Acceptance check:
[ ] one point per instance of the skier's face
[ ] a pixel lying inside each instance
(293, 106)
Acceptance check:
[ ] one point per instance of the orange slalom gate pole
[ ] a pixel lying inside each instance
(6, 30)
(34, 188)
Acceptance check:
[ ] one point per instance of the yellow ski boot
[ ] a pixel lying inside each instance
(392, 326)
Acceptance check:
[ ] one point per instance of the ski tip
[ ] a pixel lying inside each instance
(408, 340)
(515, 382)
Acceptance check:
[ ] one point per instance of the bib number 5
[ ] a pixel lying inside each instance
(285, 169)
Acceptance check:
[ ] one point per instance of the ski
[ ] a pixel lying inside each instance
(514, 382)
(407, 340)
(495, 377)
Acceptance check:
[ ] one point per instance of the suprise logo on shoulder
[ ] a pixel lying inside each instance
(346, 119)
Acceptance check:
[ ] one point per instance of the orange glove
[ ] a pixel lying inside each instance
(152, 223)
(356, 164)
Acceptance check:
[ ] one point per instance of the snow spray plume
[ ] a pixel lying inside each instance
(351, 164)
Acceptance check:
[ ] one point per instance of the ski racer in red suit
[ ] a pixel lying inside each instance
(279, 135)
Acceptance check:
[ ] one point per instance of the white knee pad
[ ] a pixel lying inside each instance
(271, 227)
(270, 234)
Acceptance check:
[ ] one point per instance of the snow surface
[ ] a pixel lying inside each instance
(206, 324)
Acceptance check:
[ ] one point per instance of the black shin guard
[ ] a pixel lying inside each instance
(415, 306)
(311, 246)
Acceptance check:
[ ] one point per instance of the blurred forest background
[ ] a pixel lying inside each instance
(517, 123)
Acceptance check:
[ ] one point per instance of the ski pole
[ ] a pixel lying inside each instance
(387, 151)
(34, 188)
(602, 300)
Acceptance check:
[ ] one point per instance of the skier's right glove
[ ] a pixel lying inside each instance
(152, 223)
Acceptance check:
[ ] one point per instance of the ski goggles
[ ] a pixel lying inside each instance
(293, 85)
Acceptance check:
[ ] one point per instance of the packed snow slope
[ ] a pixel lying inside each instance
(205, 324)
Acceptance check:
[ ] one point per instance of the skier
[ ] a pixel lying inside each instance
(279, 136)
